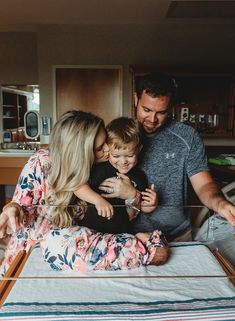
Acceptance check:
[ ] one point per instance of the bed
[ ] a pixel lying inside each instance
(197, 283)
(183, 289)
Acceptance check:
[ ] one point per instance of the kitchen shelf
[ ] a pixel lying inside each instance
(14, 103)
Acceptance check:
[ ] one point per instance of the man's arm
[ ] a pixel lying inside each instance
(211, 196)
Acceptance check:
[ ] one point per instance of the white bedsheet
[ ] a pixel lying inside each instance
(126, 295)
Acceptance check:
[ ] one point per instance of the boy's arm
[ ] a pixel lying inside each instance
(86, 193)
(149, 200)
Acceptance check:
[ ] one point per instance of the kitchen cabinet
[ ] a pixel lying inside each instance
(14, 106)
(205, 96)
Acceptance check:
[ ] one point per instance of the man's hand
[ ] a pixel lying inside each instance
(118, 187)
(227, 210)
(211, 196)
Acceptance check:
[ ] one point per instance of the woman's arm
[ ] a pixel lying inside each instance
(123, 188)
(133, 206)
(30, 190)
(86, 193)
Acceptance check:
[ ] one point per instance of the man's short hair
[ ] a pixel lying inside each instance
(155, 84)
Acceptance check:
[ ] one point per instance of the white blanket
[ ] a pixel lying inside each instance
(190, 283)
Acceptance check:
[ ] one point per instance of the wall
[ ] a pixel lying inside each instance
(129, 45)
(18, 58)
(30, 57)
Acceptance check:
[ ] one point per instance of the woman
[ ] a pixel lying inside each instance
(44, 201)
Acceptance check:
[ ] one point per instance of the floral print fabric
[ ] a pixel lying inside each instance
(30, 192)
(76, 248)
(82, 249)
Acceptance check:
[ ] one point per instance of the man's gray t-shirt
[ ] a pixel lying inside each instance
(168, 158)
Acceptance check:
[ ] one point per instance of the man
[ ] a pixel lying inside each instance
(173, 153)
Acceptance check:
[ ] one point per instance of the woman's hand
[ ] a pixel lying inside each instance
(10, 218)
(118, 187)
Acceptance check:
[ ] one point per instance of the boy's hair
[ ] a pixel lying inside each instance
(155, 84)
(123, 131)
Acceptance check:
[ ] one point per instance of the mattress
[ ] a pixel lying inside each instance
(190, 286)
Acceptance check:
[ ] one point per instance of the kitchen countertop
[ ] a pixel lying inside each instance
(16, 153)
(11, 166)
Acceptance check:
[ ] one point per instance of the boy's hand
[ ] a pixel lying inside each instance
(149, 199)
(104, 208)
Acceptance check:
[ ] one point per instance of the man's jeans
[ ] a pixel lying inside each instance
(217, 233)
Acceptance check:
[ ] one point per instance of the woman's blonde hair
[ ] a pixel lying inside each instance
(72, 156)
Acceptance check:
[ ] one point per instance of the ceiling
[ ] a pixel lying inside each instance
(28, 15)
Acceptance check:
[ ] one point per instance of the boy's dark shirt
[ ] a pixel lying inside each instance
(119, 223)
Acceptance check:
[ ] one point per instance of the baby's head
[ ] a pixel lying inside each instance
(123, 140)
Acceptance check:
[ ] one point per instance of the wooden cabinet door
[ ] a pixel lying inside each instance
(96, 90)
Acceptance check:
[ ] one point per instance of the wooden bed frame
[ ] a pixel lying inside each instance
(226, 265)
(19, 262)
(13, 272)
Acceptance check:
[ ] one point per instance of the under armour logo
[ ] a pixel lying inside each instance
(170, 155)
